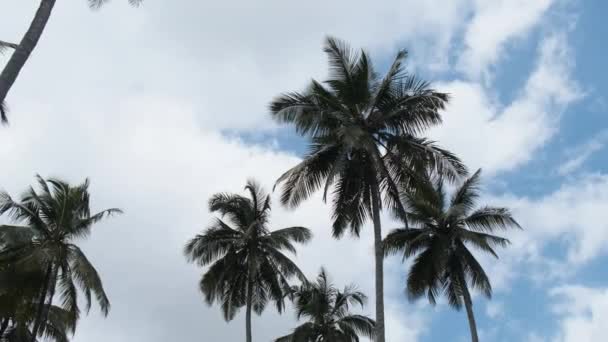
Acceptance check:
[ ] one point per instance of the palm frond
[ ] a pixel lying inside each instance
(302, 180)
(489, 219)
(88, 279)
(213, 244)
(468, 192)
(282, 238)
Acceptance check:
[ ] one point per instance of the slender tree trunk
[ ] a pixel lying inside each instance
(4, 326)
(42, 301)
(248, 313)
(468, 303)
(379, 259)
(25, 48)
(46, 301)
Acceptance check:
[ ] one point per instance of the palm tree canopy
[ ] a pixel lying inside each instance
(239, 243)
(48, 223)
(365, 131)
(327, 310)
(443, 230)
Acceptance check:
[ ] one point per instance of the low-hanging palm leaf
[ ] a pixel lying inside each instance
(365, 141)
(24, 49)
(440, 239)
(328, 313)
(55, 328)
(247, 264)
(49, 223)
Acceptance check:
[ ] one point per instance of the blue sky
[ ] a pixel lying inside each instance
(164, 105)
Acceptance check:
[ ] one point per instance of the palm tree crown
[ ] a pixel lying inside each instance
(247, 264)
(328, 313)
(365, 143)
(362, 129)
(49, 222)
(440, 240)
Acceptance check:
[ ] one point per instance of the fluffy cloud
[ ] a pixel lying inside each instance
(580, 154)
(583, 312)
(494, 25)
(500, 137)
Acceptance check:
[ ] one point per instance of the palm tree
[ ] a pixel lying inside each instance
(247, 264)
(365, 142)
(328, 312)
(52, 219)
(440, 241)
(24, 49)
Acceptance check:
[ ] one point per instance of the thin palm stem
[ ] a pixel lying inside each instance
(468, 303)
(379, 261)
(42, 301)
(24, 50)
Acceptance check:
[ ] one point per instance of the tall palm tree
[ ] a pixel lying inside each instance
(365, 141)
(54, 218)
(24, 49)
(440, 239)
(328, 312)
(247, 264)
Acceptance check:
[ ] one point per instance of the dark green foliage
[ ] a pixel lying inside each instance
(328, 313)
(364, 129)
(440, 238)
(39, 254)
(240, 250)
(441, 234)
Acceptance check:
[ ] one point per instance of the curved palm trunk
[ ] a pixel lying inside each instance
(248, 313)
(379, 260)
(468, 303)
(46, 299)
(24, 49)
(42, 300)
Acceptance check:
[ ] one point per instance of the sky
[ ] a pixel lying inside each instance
(164, 105)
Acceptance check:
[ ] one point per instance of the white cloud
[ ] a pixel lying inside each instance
(502, 137)
(494, 24)
(494, 309)
(580, 154)
(571, 218)
(574, 215)
(583, 313)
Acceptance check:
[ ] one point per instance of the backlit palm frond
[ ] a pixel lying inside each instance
(489, 219)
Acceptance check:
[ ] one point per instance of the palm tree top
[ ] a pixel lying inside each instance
(56, 211)
(328, 312)
(364, 133)
(241, 250)
(442, 228)
(356, 97)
